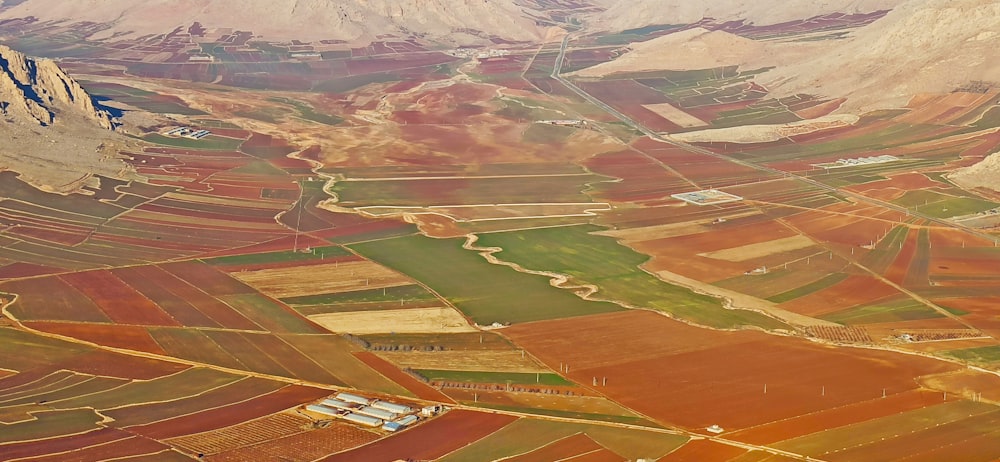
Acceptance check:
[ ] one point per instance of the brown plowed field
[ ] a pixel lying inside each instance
(130, 447)
(194, 295)
(418, 388)
(853, 291)
(837, 417)
(280, 400)
(235, 392)
(430, 440)
(61, 444)
(703, 451)
(119, 301)
(128, 337)
(697, 377)
(109, 364)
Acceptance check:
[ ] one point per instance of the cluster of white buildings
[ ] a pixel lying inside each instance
(391, 417)
(188, 132)
(477, 53)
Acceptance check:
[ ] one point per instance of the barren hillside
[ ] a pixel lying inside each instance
(53, 134)
(449, 20)
(921, 46)
(638, 13)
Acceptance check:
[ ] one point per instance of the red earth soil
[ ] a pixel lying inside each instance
(61, 444)
(178, 308)
(715, 377)
(134, 446)
(938, 436)
(901, 265)
(119, 301)
(212, 307)
(109, 364)
(207, 278)
(430, 440)
(24, 270)
(838, 417)
(128, 337)
(310, 445)
(421, 389)
(52, 298)
(853, 291)
(214, 419)
(703, 451)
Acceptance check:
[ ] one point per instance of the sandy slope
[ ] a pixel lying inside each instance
(702, 49)
(622, 15)
(923, 46)
(985, 174)
(296, 19)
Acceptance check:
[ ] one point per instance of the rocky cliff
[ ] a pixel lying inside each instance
(52, 133)
(35, 91)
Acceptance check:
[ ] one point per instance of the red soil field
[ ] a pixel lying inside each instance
(213, 419)
(179, 309)
(25, 270)
(280, 244)
(853, 291)
(207, 278)
(61, 444)
(109, 364)
(430, 440)
(52, 298)
(901, 265)
(565, 448)
(128, 337)
(943, 435)
(715, 377)
(837, 417)
(134, 446)
(297, 363)
(212, 307)
(119, 301)
(227, 395)
(390, 371)
(67, 237)
(703, 451)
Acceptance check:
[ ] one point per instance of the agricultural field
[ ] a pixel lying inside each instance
(533, 255)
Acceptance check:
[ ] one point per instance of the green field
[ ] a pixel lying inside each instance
(186, 383)
(465, 341)
(903, 310)
(598, 260)
(883, 428)
(528, 434)
(517, 378)
(547, 134)
(486, 293)
(464, 191)
(317, 253)
(810, 288)
(50, 424)
(885, 252)
(208, 143)
(387, 298)
(985, 356)
(269, 314)
(21, 350)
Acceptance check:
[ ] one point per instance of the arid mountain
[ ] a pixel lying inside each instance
(354, 20)
(36, 90)
(53, 133)
(622, 15)
(921, 46)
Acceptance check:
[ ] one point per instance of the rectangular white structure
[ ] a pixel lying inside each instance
(363, 420)
(407, 420)
(349, 398)
(392, 407)
(378, 413)
(336, 404)
(322, 410)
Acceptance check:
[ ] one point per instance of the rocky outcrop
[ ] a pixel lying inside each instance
(38, 91)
